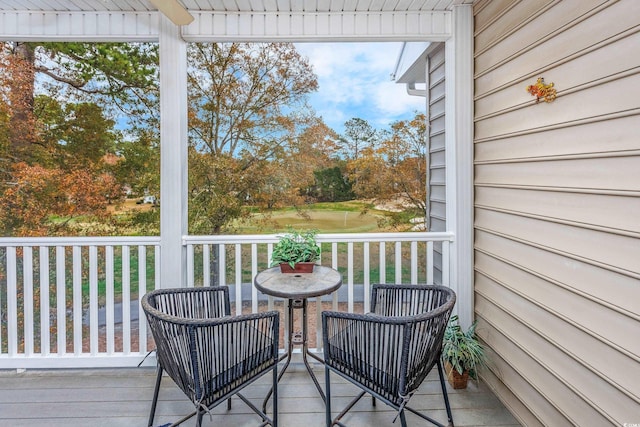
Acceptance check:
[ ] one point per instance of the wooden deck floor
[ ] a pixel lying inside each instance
(121, 397)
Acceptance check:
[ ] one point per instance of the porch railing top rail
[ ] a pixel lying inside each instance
(222, 239)
(79, 241)
(323, 238)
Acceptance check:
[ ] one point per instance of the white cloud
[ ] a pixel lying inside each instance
(355, 81)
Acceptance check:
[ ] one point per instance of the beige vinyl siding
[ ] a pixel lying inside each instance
(557, 208)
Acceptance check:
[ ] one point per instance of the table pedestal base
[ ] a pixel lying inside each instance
(297, 338)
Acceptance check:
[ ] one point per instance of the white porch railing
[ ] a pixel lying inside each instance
(75, 302)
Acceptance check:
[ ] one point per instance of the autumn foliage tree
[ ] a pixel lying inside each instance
(395, 168)
(39, 192)
(406, 154)
(244, 111)
(53, 155)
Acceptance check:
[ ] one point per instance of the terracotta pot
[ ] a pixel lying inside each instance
(301, 267)
(456, 379)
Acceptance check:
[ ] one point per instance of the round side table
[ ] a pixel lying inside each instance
(297, 288)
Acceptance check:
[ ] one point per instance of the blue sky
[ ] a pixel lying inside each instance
(354, 81)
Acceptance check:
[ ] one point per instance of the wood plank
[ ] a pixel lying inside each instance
(121, 397)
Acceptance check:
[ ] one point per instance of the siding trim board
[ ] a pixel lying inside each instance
(563, 47)
(530, 369)
(561, 221)
(596, 155)
(596, 101)
(553, 126)
(574, 277)
(599, 191)
(587, 212)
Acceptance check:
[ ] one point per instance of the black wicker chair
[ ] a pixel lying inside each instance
(209, 354)
(389, 352)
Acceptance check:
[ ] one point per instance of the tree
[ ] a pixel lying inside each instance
(405, 151)
(394, 169)
(49, 139)
(359, 139)
(38, 193)
(123, 73)
(358, 135)
(67, 175)
(331, 185)
(139, 164)
(245, 103)
(369, 174)
(73, 134)
(312, 147)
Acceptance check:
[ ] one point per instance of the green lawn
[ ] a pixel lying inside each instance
(342, 217)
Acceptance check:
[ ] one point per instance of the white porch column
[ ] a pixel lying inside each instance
(459, 157)
(173, 154)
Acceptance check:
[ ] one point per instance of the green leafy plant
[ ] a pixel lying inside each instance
(295, 247)
(462, 349)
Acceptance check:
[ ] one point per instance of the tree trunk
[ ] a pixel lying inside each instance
(21, 94)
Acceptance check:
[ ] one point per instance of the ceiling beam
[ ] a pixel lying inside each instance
(173, 10)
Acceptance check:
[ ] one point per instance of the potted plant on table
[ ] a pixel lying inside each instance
(462, 353)
(296, 252)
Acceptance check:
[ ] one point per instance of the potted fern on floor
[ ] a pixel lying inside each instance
(462, 353)
(296, 252)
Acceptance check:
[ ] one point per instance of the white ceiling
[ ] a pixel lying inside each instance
(235, 5)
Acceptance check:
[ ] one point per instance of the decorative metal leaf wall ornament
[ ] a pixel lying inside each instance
(542, 91)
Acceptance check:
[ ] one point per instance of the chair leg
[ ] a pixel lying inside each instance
(403, 419)
(156, 391)
(444, 393)
(327, 392)
(275, 396)
(199, 420)
(228, 404)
